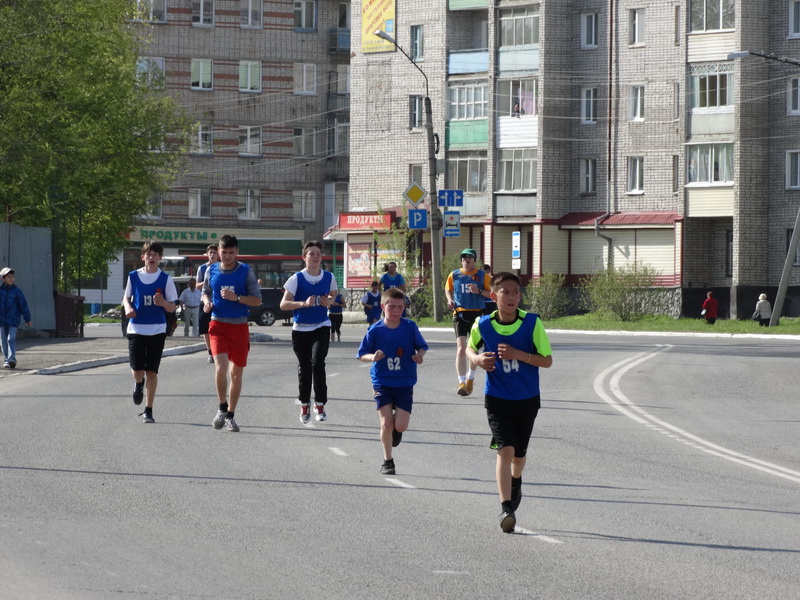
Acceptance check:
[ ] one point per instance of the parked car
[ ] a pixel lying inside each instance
(270, 309)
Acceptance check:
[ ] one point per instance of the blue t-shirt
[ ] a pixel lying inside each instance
(461, 294)
(390, 282)
(238, 280)
(336, 310)
(397, 369)
(312, 314)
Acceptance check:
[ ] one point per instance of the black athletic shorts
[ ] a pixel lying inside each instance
(144, 351)
(205, 319)
(511, 422)
(463, 320)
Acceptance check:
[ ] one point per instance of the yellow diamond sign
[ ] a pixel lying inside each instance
(415, 193)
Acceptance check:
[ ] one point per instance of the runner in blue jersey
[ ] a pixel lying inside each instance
(149, 295)
(395, 347)
(466, 289)
(515, 346)
(371, 301)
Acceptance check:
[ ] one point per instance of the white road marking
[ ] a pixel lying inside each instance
(399, 483)
(539, 536)
(338, 451)
(333, 374)
(630, 410)
(450, 572)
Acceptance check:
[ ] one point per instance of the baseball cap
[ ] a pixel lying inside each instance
(6, 271)
(469, 252)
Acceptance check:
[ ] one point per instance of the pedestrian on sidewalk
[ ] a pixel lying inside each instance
(190, 298)
(13, 307)
(149, 295)
(763, 311)
(229, 289)
(309, 293)
(710, 308)
(395, 347)
(515, 346)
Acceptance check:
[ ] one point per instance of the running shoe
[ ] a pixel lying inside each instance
(305, 417)
(516, 493)
(397, 436)
(12, 364)
(231, 425)
(462, 389)
(470, 383)
(387, 468)
(319, 410)
(507, 521)
(210, 358)
(6, 365)
(219, 420)
(148, 418)
(138, 392)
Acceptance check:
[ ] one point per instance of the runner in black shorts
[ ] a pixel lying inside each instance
(212, 251)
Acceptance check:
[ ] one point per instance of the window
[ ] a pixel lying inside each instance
(202, 74)
(676, 173)
(342, 79)
(251, 12)
(467, 100)
(677, 28)
(635, 174)
(305, 14)
(151, 72)
(793, 170)
(154, 205)
(200, 203)
(204, 139)
(588, 175)
(339, 138)
(154, 11)
(636, 99)
(793, 96)
(417, 46)
(304, 205)
(249, 204)
(676, 93)
(729, 253)
(519, 26)
(636, 27)
(789, 245)
(250, 140)
(516, 170)
(517, 97)
(304, 142)
(416, 118)
(415, 174)
(589, 31)
(794, 18)
(708, 15)
(305, 78)
(249, 76)
(589, 105)
(202, 12)
(712, 85)
(709, 163)
(466, 170)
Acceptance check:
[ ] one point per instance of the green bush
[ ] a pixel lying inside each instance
(422, 298)
(625, 293)
(547, 296)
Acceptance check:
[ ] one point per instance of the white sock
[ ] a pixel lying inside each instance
(470, 374)
(462, 379)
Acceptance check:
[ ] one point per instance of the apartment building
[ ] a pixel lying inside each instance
(606, 132)
(267, 84)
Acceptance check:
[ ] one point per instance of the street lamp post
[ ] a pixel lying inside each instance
(435, 217)
(795, 241)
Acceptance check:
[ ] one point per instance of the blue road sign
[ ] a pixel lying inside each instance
(451, 198)
(418, 218)
(452, 223)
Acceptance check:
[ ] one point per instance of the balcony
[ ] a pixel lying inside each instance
(337, 168)
(468, 61)
(338, 41)
(338, 102)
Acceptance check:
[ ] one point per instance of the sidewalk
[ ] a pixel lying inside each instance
(101, 345)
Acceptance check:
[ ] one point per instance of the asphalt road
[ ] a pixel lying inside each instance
(661, 467)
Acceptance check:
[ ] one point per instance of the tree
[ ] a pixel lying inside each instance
(85, 139)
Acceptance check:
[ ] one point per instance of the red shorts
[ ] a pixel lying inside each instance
(231, 339)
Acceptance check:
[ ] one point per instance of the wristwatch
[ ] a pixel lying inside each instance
(238, 297)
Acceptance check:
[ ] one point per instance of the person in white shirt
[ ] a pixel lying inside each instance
(149, 295)
(190, 298)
